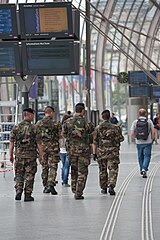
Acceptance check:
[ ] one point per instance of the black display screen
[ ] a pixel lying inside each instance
(8, 21)
(9, 59)
(50, 57)
(139, 91)
(137, 78)
(46, 20)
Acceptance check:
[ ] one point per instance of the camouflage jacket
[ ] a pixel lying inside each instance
(107, 137)
(25, 136)
(78, 134)
(50, 133)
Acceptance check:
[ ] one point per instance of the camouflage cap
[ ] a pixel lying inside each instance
(30, 110)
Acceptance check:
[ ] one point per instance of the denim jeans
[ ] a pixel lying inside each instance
(65, 167)
(144, 155)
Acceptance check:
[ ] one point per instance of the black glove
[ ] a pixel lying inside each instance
(95, 157)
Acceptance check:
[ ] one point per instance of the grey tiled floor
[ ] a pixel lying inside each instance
(96, 217)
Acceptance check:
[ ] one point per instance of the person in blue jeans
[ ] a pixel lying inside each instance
(144, 147)
(64, 157)
(65, 167)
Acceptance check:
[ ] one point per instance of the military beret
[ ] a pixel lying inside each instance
(50, 108)
(30, 110)
(80, 104)
(105, 111)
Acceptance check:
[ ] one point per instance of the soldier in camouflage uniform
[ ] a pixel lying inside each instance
(106, 142)
(50, 132)
(77, 132)
(27, 139)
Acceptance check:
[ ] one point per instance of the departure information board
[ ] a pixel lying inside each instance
(137, 77)
(9, 59)
(45, 39)
(46, 20)
(141, 78)
(50, 57)
(8, 21)
(139, 91)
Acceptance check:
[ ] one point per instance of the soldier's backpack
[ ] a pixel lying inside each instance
(106, 134)
(142, 129)
(49, 129)
(77, 130)
(25, 134)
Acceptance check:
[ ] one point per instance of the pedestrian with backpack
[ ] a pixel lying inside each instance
(142, 130)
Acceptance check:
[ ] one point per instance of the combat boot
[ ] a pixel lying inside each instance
(104, 190)
(46, 190)
(52, 190)
(111, 191)
(78, 197)
(28, 198)
(18, 194)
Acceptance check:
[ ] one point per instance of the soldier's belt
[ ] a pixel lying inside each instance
(106, 146)
(23, 143)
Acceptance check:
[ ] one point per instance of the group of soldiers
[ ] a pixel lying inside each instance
(29, 141)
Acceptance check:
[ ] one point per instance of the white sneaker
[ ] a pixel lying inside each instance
(66, 185)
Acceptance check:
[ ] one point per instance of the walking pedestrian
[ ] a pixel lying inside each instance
(50, 133)
(26, 139)
(106, 145)
(113, 119)
(142, 130)
(156, 122)
(77, 132)
(64, 156)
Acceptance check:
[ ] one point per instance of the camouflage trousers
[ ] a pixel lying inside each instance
(79, 172)
(25, 170)
(49, 169)
(108, 172)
